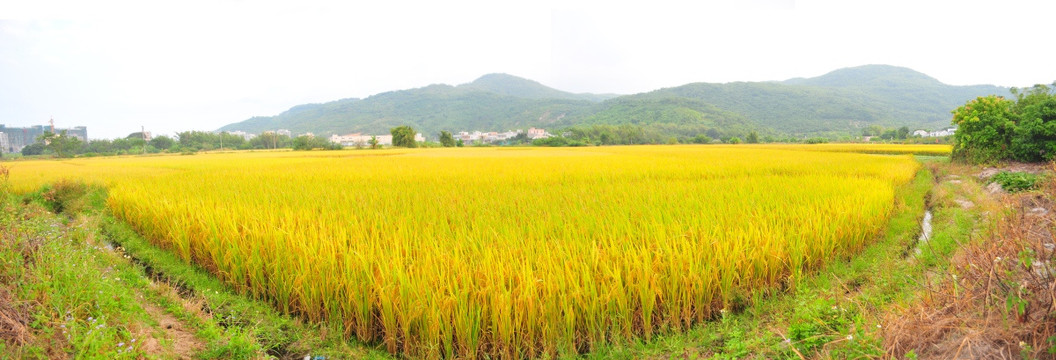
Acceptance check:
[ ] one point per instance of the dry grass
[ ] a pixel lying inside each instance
(997, 300)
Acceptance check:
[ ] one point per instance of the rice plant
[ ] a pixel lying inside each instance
(512, 253)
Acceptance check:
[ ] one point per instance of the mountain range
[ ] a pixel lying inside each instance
(841, 102)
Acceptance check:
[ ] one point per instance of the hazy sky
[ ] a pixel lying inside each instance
(179, 65)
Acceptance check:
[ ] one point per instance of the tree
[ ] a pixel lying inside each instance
(889, 134)
(753, 138)
(701, 139)
(162, 142)
(33, 149)
(61, 144)
(873, 130)
(373, 142)
(460, 143)
(308, 142)
(734, 140)
(446, 140)
(984, 130)
(270, 140)
(902, 133)
(1034, 138)
(99, 146)
(403, 136)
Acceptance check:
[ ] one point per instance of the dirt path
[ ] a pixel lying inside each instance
(180, 339)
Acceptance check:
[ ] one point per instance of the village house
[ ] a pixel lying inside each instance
(360, 139)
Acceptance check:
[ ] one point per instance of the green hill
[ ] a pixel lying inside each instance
(510, 85)
(840, 102)
(428, 109)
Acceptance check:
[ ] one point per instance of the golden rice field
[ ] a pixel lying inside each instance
(866, 148)
(504, 252)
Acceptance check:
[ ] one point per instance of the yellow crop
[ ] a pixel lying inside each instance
(507, 252)
(916, 149)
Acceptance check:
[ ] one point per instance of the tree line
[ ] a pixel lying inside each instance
(63, 145)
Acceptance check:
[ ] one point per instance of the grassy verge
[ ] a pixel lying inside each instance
(63, 294)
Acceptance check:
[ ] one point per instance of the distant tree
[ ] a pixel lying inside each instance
(753, 138)
(99, 146)
(734, 140)
(460, 143)
(302, 143)
(889, 134)
(557, 141)
(33, 149)
(270, 140)
(701, 139)
(162, 142)
(120, 144)
(373, 142)
(902, 133)
(873, 130)
(672, 140)
(446, 140)
(308, 142)
(62, 144)
(403, 136)
(984, 130)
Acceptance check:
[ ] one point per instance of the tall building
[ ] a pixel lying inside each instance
(4, 144)
(20, 137)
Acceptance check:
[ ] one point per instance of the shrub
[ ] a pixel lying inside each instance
(1016, 181)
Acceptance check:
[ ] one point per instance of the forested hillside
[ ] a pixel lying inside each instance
(838, 103)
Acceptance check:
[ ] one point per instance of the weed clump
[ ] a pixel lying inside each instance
(1014, 181)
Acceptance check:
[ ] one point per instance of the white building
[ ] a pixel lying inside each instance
(5, 145)
(243, 134)
(937, 133)
(360, 139)
(943, 132)
(284, 132)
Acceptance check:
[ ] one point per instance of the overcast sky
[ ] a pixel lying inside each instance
(181, 65)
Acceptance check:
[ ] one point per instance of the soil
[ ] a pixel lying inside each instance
(184, 343)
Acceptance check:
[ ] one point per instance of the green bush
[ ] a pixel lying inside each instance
(992, 129)
(1016, 181)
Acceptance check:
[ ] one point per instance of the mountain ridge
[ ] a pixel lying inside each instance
(839, 102)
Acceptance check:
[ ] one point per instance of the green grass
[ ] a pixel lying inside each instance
(79, 301)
